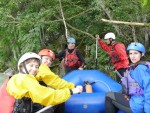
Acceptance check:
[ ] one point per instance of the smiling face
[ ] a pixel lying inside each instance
(47, 60)
(135, 56)
(71, 45)
(32, 66)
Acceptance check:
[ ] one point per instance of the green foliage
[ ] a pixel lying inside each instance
(29, 25)
(144, 3)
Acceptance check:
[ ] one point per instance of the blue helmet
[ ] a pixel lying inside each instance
(136, 46)
(71, 40)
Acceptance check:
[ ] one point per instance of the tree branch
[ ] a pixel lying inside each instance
(88, 34)
(66, 30)
(126, 23)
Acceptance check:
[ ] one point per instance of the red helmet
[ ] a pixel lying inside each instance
(47, 52)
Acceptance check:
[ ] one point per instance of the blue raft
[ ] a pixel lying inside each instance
(90, 102)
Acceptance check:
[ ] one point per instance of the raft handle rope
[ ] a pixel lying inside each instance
(103, 83)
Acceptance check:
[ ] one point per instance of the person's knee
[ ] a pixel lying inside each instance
(108, 99)
(110, 95)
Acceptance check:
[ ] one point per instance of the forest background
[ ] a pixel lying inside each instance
(30, 25)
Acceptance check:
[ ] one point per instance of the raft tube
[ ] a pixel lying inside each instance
(90, 102)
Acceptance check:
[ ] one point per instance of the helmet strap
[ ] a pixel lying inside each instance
(24, 65)
(41, 57)
(111, 40)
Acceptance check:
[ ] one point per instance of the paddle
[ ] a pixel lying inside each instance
(44, 109)
(119, 75)
(96, 54)
(101, 36)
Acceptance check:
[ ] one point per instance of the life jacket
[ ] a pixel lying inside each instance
(23, 105)
(8, 104)
(6, 101)
(71, 59)
(114, 57)
(131, 87)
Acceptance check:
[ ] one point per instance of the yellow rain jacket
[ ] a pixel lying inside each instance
(52, 80)
(24, 85)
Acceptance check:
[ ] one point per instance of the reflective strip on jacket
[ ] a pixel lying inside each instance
(52, 80)
(121, 53)
(138, 103)
(23, 85)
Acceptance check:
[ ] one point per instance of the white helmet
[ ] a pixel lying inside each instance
(110, 35)
(27, 56)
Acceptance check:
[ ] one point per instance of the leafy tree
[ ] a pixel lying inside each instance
(29, 25)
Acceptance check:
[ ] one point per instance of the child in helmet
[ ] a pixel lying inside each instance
(47, 78)
(46, 75)
(47, 56)
(116, 51)
(136, 82)
(25, 88)
(72, 58)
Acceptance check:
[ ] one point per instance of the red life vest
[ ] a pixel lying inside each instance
(6, 101)
(71, 59)
(114, 57)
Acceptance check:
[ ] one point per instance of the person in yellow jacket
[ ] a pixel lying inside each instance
(47, 78)
(25, 88)
(46, 75)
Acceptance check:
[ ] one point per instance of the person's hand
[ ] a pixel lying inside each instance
(77, 90)
(80, 87)
(80, 68)
(126, 97)
(97, 37)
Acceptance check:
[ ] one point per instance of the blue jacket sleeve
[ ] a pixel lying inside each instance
(142, 76)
